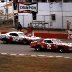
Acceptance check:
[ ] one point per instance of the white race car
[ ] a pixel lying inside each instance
(17, 37)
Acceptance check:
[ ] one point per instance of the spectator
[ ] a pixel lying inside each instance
(19, 26)
(68, 25)
(30, 28)
(68, 29)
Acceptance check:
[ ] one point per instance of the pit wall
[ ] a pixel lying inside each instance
(52, 35)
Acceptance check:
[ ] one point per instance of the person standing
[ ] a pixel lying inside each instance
(19, 26)
(30, 29)
(68, 25)
(68, 28)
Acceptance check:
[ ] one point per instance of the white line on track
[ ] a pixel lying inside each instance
(41, 55)
(4, 53)
(66, 57)
(22, 54)
(50, 56)
(36, 55)
(59, 56)
(13, 54)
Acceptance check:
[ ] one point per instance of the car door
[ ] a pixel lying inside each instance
(14, 36)
(48, 43)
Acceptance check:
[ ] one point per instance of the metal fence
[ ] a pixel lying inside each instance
(40, 20)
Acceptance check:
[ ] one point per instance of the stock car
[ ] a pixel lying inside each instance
(17, 37)
(51, 44)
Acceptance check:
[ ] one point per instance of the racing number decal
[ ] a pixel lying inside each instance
(48, 46)
(15, 39)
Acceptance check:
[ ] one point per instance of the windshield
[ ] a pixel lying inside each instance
(38, 40)
(57, 41)
(21, 34)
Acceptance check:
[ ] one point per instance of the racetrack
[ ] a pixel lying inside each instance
(34, 64)
(17, 49)
(22, 58)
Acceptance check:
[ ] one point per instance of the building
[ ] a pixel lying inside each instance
(7, 9)
(53, 12)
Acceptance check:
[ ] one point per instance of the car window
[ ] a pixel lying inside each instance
(21, 34)
(48, 41)
(13, 34)
(38, 40)
(57, 41)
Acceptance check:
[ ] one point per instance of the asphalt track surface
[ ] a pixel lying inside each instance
(17, 49)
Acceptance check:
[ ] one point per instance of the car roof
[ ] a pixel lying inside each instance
(51, 39)
(15, 32)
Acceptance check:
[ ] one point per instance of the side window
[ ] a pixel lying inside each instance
(45, 41)
(13, 34)
(48, 41)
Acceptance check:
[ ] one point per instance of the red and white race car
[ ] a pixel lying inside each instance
(17, 37)
(51, 44)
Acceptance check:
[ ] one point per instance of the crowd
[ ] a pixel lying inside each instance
(29, 29)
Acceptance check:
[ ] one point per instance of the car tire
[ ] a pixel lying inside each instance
(61, 50)
(5, 41)
(25, 42)
(37, 48)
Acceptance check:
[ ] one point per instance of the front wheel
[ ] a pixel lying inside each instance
(61, 50)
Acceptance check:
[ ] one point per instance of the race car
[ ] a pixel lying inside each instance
(12, 37)
(17, 37)
(51, 44)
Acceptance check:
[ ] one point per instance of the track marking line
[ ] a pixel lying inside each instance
(59, 56)
(4, 53)
(68, 57)
(41, 55)
(21, 54)
(34, 55)
(13, 54)
(50, 56)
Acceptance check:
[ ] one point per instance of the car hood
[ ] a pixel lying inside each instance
(66, 44)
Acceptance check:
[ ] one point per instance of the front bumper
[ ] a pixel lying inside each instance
(70, 48)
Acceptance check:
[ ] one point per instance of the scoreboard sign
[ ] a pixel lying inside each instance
(31, 7)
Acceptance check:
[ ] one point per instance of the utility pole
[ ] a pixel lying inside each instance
(6, 10)
(62, 13)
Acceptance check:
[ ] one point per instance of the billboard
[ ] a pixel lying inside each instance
(27, 7)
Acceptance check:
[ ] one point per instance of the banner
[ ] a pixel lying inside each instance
(27, 7)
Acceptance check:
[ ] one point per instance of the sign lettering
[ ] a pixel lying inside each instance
(32, 7)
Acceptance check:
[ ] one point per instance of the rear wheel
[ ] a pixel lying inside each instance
(25, 42)
(38, 48)
(5, 41)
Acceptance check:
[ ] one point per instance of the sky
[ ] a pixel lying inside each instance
(2, 4)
